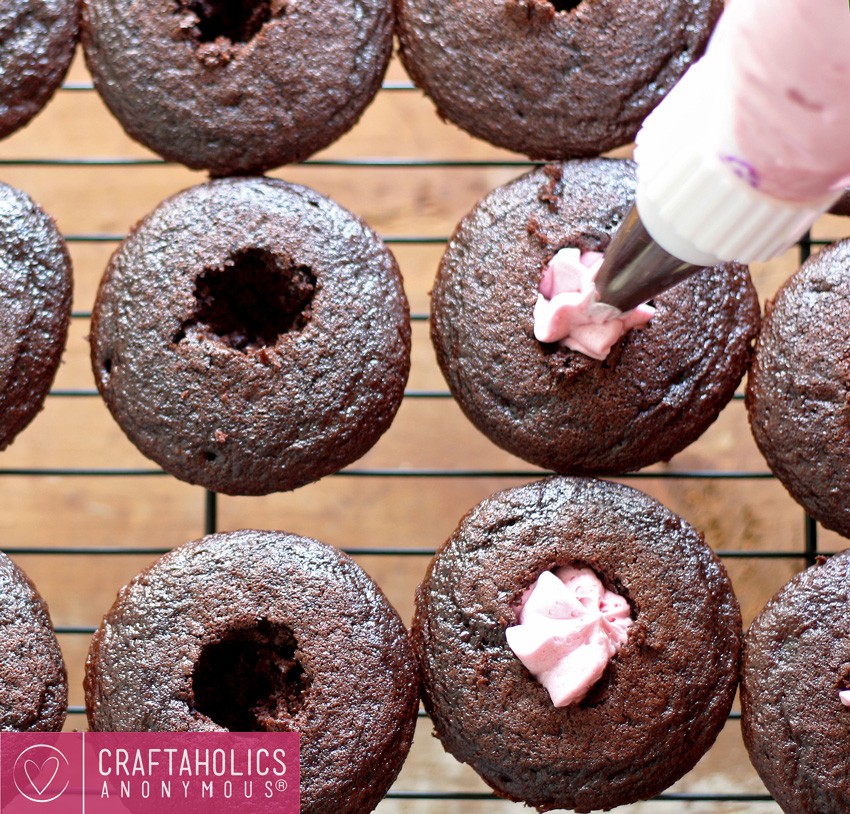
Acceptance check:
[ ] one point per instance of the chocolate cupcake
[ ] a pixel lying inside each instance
(37, 43)
(658, 389)
(264, 631)
(35, 308)
(33, 682)
(798, 392)
(236, 88)
(554, 80)
(251, 336)
(795, 690)
(648, 715)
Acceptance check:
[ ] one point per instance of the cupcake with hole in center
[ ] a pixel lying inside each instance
(251, 336)
(553, 79)
(578, 644)
(554, 376)
(236, 88)
(260, 631)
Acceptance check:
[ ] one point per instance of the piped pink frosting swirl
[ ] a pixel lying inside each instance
(568, 310)
(570, 627)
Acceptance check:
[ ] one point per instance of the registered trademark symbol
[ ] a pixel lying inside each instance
(281, 785)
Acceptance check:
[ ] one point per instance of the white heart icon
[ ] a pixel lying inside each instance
(36, 773)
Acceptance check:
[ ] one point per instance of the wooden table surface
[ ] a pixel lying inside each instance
(82, 511)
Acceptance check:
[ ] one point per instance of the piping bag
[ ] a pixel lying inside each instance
(745, 152)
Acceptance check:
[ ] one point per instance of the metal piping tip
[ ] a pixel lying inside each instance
(636, 268)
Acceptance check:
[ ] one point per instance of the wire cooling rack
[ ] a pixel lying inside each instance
(719, 484)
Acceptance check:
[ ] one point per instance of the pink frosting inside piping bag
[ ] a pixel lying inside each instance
(568, 311)
(788, 93)
(570, 627)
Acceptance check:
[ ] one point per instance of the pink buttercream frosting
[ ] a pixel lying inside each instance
(844, 697)
(568, 310)
(570, 627)
(787, 89)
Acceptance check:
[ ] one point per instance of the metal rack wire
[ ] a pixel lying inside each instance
(804, 554)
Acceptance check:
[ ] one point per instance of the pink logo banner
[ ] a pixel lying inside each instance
(149, 772)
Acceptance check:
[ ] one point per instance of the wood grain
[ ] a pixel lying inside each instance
(411, 177)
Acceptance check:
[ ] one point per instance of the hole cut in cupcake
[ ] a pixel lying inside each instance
(252, 679)
(565, 5)
(238, 21)
(251, 302)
